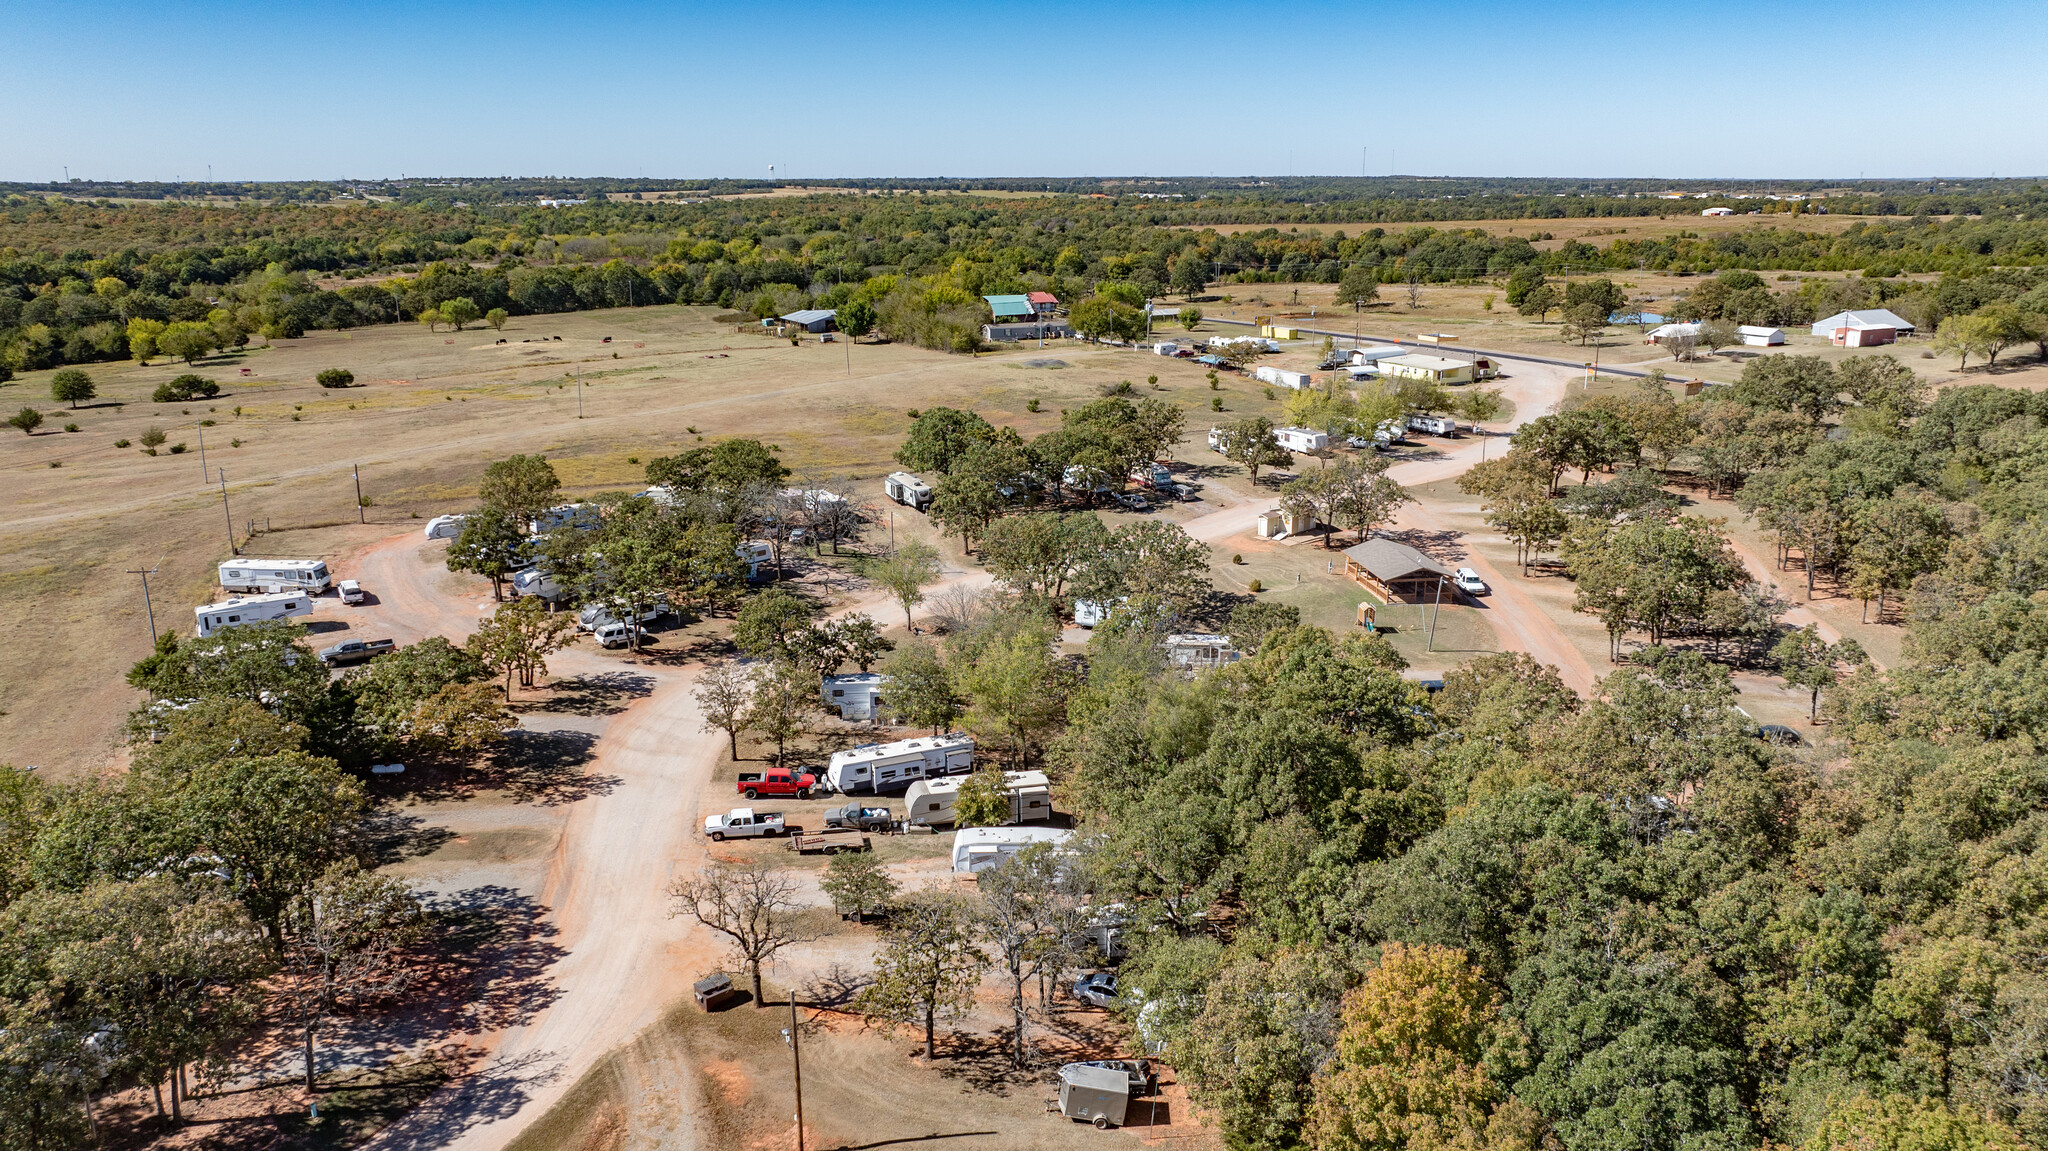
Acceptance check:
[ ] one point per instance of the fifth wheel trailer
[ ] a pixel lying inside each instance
(908, 490)
(874, 767)
(272, 576)
(251, 609)
(929, 802)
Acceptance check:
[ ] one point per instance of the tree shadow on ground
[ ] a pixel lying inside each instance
(983, 1061)
(597, 694)
(543, 767)
(392, 835)
(835, 988)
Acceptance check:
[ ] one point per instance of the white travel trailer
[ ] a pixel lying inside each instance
(583, 516)
(929, 802)
(534, 581)
(980, 848)
(272, 576)
(856, 696)
(1301, 439)
(875, 767)
(754, 554)
(908, 490)
(251, 609)
(445, 527)
(1266, 373)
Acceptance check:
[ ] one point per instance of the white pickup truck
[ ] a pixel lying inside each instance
(745, 821)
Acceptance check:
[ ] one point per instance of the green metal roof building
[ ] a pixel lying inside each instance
(1008, 306)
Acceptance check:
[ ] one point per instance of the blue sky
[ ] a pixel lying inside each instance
(284, 90)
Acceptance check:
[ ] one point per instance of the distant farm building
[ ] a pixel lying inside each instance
(1757, 336)
(1010, 307)
(1030, 330)
(1717, 212)
(1863, 329)
(1044, 303)
(811, 319)
(1431, 369)
(1394, 572)
(1665, 333)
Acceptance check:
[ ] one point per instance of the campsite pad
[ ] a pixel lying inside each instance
(1043, 364)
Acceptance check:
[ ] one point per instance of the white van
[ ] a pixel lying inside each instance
(270, 577)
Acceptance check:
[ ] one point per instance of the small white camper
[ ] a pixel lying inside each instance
(856, 696)
(1302, 439)
(251, 609)
(875, 767)
(534, 581)
(929, 802)
(980, 848)
(445, 527)
(908, 490)
(272, 576)
(581, 516)
(754, 554)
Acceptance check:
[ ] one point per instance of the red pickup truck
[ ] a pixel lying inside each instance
(777, 781)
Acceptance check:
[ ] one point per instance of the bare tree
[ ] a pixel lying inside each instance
(724, 691)
(751, 904)
(1028, 909)
(346, 941)
(928, 966)
(1414, 291)
(955, 609)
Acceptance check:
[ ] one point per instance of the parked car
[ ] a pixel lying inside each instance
(1781, 735)
(742, 822)
(1468, 581)
(351, 591)
(1097, 989)
(777, 781)
(356, 651)
(860, 818)
(1144, 1081)
(1135, 502)
(616, 634)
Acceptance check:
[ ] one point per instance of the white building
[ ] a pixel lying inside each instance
(1717, 212)
(1665, 333)
(857, 696)
(1864, 328)
(1434, 369)
(1757, 336)
(1200, 651)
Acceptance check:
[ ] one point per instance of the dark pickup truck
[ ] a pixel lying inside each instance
(356, 651)
(777, 781)
(858, 818)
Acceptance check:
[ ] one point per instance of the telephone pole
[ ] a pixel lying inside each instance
(579, 393)
(232, 549)
(796, 1058)
(202, 453)
(358, 469)
(145, 573)
(1433, 615)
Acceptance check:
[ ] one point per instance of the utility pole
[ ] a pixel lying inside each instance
(1433, 615)
(202, 453)
(579, 392)
(145, 573)
(796, 1057)
(232, 549)
(358, 469)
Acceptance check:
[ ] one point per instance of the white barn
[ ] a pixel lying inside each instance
(1757, 336)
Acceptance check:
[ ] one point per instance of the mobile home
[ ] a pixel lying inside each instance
(929, 802)
(980, 848)
(908, 490)
(272, 576)
(856, 696)
(875, 767)
(251, 609)
(1267, 373)
(754, 554)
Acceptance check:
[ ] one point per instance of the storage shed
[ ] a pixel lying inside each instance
(1394, 571)
(1279, 523)
(1757, 336)
(811, 319)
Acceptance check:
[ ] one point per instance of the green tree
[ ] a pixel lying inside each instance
(274, 822)
(349, 935)
(1803, 384)
(983, 799)
(1480, 405)
(496, 318)
(1149, 558)
(1526, 278)
(1541, 300)
(768, 625)
(856, 884)
(519, 637)
(905, 574)
(1250, 442)
(1583, 323)
(429, 698)
(27, 419)
(1806, 660)
(335, 378)
(1190, 275)
(856, 318)
(264, 663)
(782, 698)
(1966, 336)
(1018, 686)
(1656, 575)
(492, 543)
(2005, 325)
(860, 639)
(724, 473)
(187, 340)
(1190, 316)
(460, 312)
(920, 687)
(1902, 1123)
(722, 694)
(941, 437)
(1029, 907)
(1358, 287)
(1603, 294)
(928, 967)
(1253, 621)
(520, 486)
(70, 386)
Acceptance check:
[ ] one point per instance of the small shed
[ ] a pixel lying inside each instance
(1394, 571)
(856, 696)
(714, 991)
(1279, 523)
(811, 319)
(1757, 336)
(1043, 303)
(1200, 651)
(1010, 307)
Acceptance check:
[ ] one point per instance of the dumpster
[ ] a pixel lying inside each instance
(1095, 1095)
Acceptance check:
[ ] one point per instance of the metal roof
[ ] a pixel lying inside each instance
(1042, 297)
(811, 315)
(1387, 560)
(1009, 305)
(1867, 318)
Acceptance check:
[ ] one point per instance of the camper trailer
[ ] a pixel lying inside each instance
(272, 576)
(929, 802)
(755, 554)
(581, 516)
(1301, 439)
(856, 696)
(445, 527)
(908, 490)
(251, 609)
(876, 767)
(980, 848)
(1266, 373)
(534, 581)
